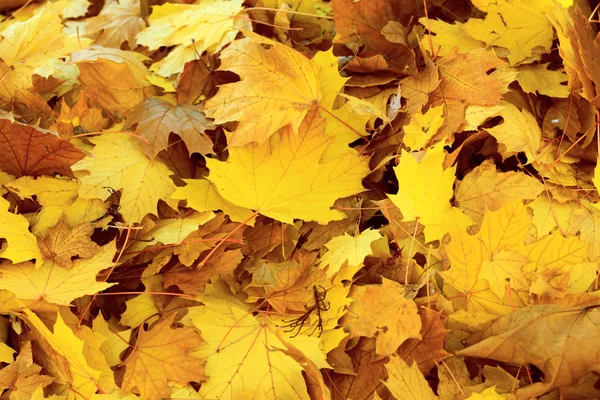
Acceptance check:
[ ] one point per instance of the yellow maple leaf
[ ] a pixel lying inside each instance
(556, 251)
(505, 266)
(279, 178)
(169, 231)
(445, 37)
(549, 214)
(55, 195)
(350, 249)
(115, 344)
(466, 254)
(424, 188)
(95, 356)
(506, 228)
(125, 70)
(519, 131)
(22, 245)
(484, 187)
(538, 78)
(487, 394)
(64, 242)
(210, 200)
(160, 355)
(117, 162)
(21, 377)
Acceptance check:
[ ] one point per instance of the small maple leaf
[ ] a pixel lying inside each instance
(63, 243)
(124, 166)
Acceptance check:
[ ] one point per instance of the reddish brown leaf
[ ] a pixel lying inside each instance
(362, 22)
(29, 151)
(429, 351)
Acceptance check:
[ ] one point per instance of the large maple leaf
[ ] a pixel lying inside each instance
(278, 179)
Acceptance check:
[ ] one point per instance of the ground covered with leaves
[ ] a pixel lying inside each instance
(296, 199)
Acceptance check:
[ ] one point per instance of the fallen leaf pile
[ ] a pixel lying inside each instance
(269, 199)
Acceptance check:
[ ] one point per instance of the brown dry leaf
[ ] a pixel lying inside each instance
(579, 50)
(317, 235)
(417, 88)
(156, 118)
(364, 378)
(191, 280)
(561, 341)
(29, 151)
(428, 351)
(81, 115)
(161, 354)
(194, 81)
(64, 242)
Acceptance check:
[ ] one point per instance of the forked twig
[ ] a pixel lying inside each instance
(319, 306)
